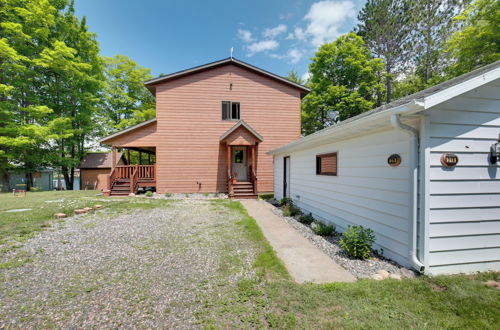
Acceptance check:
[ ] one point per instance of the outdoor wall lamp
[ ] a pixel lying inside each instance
(495, 151)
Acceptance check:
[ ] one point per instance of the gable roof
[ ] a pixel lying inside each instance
(229, 60)
(128, 129)
(238, 125)
(99, 160)
(410, 104)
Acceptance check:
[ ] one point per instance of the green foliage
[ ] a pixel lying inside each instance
(290, 210)
(284, 201)
(320, 228)
(357, 241)
(294, 76)
(386, 26)
(306, 218)
(344, 78)
(266, 196)
(149, 193)
(477, 43)
(126, 101)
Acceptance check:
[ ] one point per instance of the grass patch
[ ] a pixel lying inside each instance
(461, 302)
(267, 263)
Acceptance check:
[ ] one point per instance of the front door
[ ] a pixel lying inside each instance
(239, 163)
(286, 177)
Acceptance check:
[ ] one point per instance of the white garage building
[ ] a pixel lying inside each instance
(420, 172)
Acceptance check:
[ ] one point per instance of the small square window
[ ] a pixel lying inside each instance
(326, 164)
(230, 110)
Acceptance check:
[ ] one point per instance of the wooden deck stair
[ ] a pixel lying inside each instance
(120, 187)
(244, 190)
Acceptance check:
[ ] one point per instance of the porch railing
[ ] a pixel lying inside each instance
(253, 179)
(135, 173)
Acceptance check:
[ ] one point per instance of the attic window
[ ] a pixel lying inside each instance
(230, 110)
(326, 164)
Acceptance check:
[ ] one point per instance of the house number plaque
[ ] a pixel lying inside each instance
(449, 160)
(394, 160)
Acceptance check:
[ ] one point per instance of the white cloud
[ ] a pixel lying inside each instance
(299, 33)
(275, 31)
(295, 55)
(245, 35)
(325, 18)
(262, 46)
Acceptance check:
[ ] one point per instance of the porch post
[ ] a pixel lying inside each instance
(229, 159)
(254, 169)
(114, 157)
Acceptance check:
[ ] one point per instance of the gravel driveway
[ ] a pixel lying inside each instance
(143, 268)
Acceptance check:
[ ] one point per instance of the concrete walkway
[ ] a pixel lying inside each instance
(304, 261)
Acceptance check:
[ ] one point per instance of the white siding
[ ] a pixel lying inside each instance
(464, 205)
(367, 191)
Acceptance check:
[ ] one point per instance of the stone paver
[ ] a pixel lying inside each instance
(304, 261)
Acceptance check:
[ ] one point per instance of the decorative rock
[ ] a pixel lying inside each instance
(131, 195)
(60, 215)
(377, 277)
(384, 273)
(80, 211)
(395, 277)
(87, 209)
(106, 193)
(97, 206)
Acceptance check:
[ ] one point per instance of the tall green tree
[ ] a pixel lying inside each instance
(51, 73)
(477, 43)
(386, 26)
(433, 25)
(126, 100)
(292, 75)
(345, 77)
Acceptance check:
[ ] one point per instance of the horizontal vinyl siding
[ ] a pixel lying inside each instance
(464, 215)
(367, 191)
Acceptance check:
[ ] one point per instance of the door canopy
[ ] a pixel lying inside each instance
(241, 134)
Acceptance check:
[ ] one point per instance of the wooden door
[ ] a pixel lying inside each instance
(239, 163)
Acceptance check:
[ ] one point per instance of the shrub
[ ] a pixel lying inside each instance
(284, 201)
(307, 219)
(149, 193)
(266, 196)
(319, 228)
(168, 194)
(357, 241)
(290, 210)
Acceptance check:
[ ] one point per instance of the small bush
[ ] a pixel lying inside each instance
(168, 194)
(149, 193)
(319, 228)
(290, 210)
(307, 219)
(357, 241)
(266, 196)
(284, 201)
(206, 194)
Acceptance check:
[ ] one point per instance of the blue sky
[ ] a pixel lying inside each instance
(168, 36)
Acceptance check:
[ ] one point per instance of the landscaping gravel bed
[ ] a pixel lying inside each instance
(144, 268)
(329, 245)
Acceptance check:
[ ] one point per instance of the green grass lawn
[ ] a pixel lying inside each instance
(275, 301)
(271, 299)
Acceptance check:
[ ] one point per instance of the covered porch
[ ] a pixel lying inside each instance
(139, 172)
(241, 143)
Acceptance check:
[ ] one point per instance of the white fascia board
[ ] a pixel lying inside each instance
(459, 89)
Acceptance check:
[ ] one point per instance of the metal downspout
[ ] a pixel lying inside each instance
(396, 123)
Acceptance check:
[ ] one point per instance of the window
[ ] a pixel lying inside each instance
(230, 110)
(326, 164)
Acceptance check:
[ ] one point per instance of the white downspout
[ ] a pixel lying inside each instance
(396, 123)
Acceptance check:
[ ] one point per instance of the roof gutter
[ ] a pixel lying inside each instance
(414, 161)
